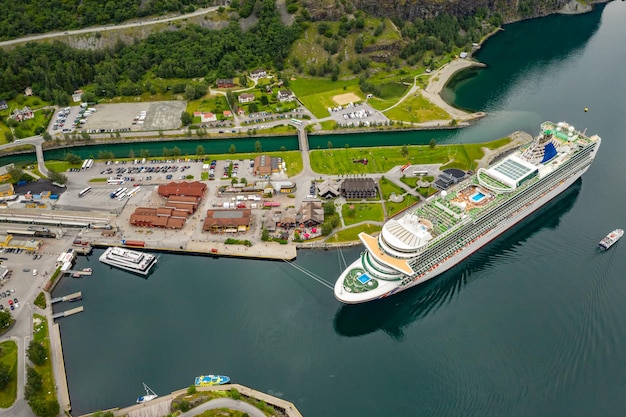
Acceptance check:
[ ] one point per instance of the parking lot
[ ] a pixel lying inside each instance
(140, 173)
(120, 117)
(359, 114)
(21, 283)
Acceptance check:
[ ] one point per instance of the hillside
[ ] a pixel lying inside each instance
(409, 10)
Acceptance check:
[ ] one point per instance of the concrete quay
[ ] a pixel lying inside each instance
(161, 406)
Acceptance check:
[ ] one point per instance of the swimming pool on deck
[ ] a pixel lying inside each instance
(364, 279)
(477, 196)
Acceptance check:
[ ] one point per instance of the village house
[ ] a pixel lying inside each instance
(311, 213)
(258, 73)
(265, 165)
(329, 189)
(225, 83)
(24, 114)
(246, 98)
(77, 96)
(6, 190)
(227, 221)
(28, 91)
(227, 114)
(3, 105)
(285, 95)
(207, 117)
(357, 188)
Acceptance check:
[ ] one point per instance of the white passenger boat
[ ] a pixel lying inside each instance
(129, 260)
(611, 239)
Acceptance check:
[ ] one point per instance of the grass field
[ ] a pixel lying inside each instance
(382, 159)
(61, 166)
(387, 187)
(417, 109)
(282, 129)
(317, 93)
(395, 208)
(8, 357)
(40, 332)
(362, 212)
(352, 234)
(214, 104)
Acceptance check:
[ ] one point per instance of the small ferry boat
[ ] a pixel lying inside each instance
(150, 395)
(611, 239)
(76, 275)
(209, 380)
(129, 260)
(87, 270)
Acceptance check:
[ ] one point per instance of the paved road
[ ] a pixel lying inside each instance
(198, 12)
(225, 403)
(36, 141)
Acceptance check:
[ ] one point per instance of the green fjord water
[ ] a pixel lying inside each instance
(532, 325)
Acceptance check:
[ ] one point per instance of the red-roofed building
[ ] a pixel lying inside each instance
(193, 189)
(228, 113)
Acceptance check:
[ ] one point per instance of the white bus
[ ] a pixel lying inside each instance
(89, 164)
(85, 191)
(420, 173)
(115, 181)
(84, 164)
(296, 122)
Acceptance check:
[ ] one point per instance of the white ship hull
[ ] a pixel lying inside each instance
(387, 267)
(387, 288)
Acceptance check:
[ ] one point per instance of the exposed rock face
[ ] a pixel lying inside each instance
(510, 10)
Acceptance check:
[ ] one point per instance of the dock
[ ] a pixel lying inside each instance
(70, 297)
(77, 272)
(68, 312)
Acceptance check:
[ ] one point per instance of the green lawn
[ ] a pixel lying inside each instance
(382, 159)
(395, 208)
(387, 187)
(317, 93)
(416, 109)
(362, 212)
(329, 125)
(214, 104)
(61, 166)
(8, 356)
(40, 332)
(352, 234)
(279, 129)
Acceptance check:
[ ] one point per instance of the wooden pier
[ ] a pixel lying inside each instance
(70, 297)
(68, 312)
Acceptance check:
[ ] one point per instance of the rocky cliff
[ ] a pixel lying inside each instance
(510, 10)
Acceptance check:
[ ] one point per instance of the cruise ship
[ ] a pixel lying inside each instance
(451, 225)
(129, 260)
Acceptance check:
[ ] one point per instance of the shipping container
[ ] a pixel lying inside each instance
(137, 243)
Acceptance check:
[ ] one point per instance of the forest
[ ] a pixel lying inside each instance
(55, 70)
(38, 16)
